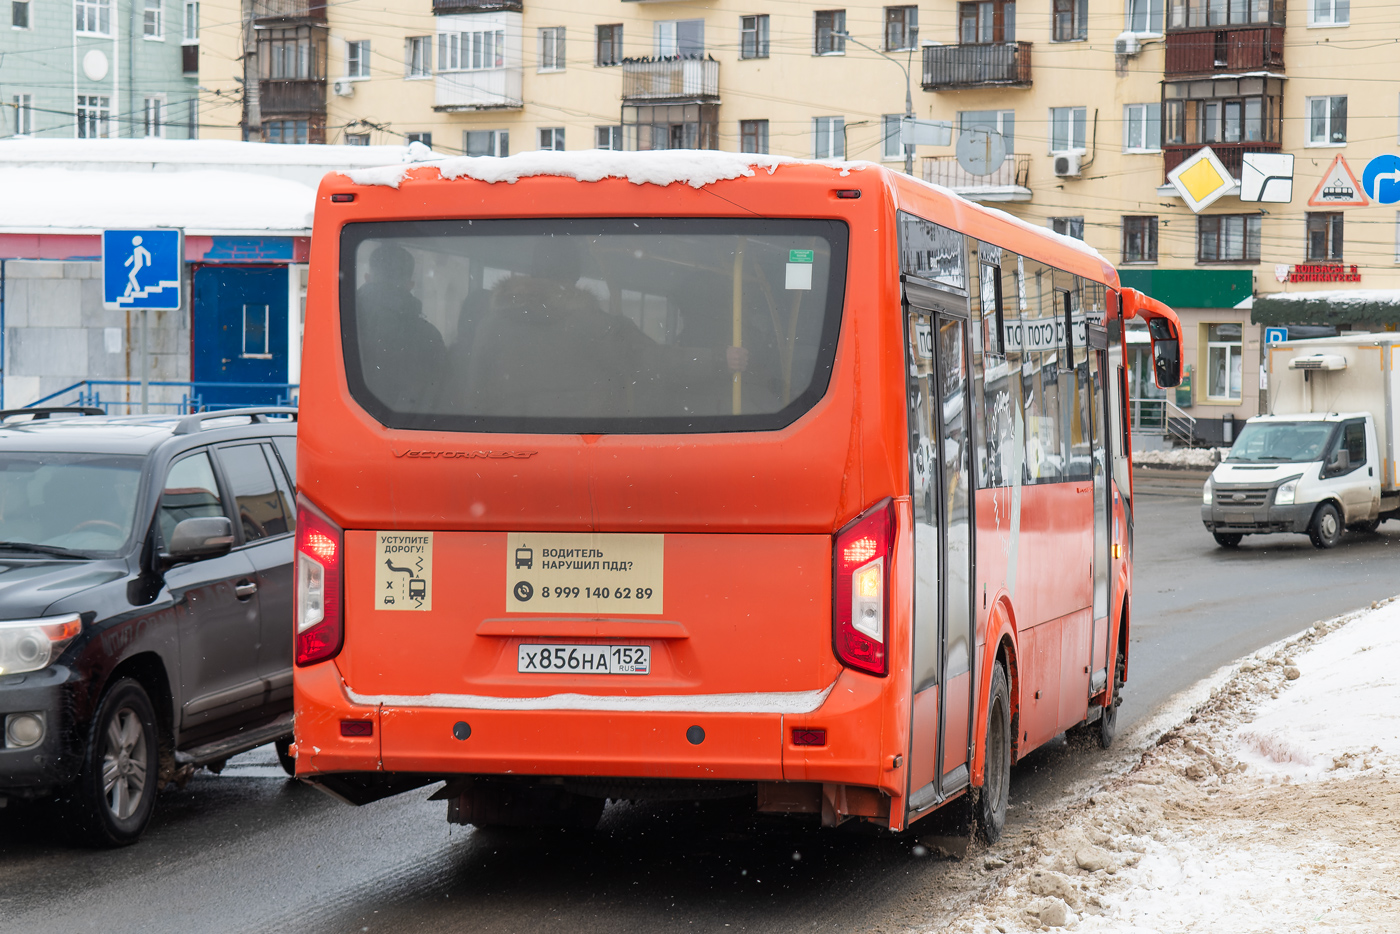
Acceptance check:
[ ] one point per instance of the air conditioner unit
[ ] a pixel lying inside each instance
(1318, 361)
(1067, 164)
(343, 87)
(1126, 44)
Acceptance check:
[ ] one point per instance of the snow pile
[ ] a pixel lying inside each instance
(1181, 458)
(1340, 296)
(1214, 829)
(694, 167)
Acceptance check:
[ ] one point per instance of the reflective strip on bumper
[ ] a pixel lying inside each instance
(792, 702)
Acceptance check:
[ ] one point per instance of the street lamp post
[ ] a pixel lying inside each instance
(908, 95)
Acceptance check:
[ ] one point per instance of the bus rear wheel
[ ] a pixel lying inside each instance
(996, 761)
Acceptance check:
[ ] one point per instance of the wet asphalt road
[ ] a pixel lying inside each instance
(249, 850)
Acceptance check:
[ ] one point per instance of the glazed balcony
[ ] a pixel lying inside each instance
(480, 89)
(981, 65)
(1222, 51)
(443, 7)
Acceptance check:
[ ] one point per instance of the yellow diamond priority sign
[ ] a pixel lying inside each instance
(1201, 179)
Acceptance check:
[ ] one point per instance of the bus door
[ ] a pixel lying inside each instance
(1098, 368)
(1120, 502)
(940, 471)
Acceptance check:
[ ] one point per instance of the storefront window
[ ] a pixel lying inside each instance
(1223, 361)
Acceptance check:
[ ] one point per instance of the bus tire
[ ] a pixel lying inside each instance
(1326, 527)
(995, 795)
(115, 792)
(1108, 720)
(1228, 539)
(285, 757)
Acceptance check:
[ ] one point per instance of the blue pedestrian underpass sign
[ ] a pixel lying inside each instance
(1275, 336)
(141, 268)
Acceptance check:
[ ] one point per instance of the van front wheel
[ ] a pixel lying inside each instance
(1228, 539)
(1326, 529)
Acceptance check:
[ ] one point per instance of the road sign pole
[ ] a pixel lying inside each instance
(145, 360)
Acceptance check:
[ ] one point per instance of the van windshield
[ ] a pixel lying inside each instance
(1282, 442)
(75, 502)
(591, 325)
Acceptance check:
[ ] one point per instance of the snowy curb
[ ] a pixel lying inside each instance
(1181, 458)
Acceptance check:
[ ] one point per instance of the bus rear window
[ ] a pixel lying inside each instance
(591, 325)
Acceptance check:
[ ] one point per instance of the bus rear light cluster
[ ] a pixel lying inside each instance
(861, 562)
(320, 625)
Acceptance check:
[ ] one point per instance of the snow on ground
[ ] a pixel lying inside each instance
(1273, 807)
(1181, 458)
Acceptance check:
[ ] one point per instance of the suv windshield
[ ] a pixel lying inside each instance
(591, 325)
(1282, 442)
(66, 501)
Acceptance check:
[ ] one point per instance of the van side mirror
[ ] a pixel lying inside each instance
(1340, 462)
(197, 539)
(1166, 352)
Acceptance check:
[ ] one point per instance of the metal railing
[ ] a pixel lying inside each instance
(289, 9)
(945, 171)
(292, 96)
(167, 397)
(979, 65)
(670, 79)
(1160, 416)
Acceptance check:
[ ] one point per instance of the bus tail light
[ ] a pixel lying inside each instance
(860, 586)
(320, 629)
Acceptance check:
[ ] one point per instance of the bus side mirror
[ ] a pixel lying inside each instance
(1166, 352)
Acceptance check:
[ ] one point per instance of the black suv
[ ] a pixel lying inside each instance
(145, 603)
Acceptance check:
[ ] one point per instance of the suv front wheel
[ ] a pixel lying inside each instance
(115, 793)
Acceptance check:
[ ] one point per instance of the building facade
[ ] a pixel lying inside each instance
(100, 69)
(1082, 109)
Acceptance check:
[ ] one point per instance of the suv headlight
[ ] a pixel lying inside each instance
(1286, 493)
(32, 644)
(1207, 493)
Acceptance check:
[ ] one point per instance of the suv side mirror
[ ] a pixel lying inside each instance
(1340, 461)
(195, 539)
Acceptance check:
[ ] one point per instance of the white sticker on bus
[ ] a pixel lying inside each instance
(582, 572)
(403, 571)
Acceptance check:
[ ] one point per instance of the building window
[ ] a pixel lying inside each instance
(24, 114)
(608, 47)
(94, 117)
(986, 21)
(1227, 238)
(1193, 14)
(1327, 120)
(153, 20)
(1324, 235)
(607, 137)
(19, 14)
(191, 33)
(831, 32)
(1223, 361)
(753, 36)
(1146, 16)
(1070, 20)
(471, 51)
(552, 48)
(998, 121)
(296, 53)
(753, 135)
(284, 131)
(1068, 226)
(1067, 129)
(486, 142)
(670, 126)
(828, 137)
(357, 139)
(890, 145)
(425, 138)
(1329, 12)
(418, 57)
(684, 38)
(552, 137)
(94, 17)
(153, 113)
(1142, 128)
(1140, 239)
(901, 28)
(357, 59)
(1246, 110)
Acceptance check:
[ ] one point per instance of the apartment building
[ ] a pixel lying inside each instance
(100, 69)
(1081, 109)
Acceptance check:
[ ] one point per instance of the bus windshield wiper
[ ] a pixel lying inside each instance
(31, 547)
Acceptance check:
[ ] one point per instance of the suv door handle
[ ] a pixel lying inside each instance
(244, 589)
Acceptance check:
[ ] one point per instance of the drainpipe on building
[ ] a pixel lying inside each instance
(116, 77)
(131, 71)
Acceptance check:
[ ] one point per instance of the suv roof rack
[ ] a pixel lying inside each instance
(47, 411)
(189, 424)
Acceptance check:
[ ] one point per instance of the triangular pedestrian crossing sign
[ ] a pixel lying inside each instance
(1339, 188)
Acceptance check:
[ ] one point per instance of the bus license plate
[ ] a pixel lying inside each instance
(585, 659)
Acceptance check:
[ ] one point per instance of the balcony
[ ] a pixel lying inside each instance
(1231, 154)
(482, 89)
(278, 97)
(443, 7)
(1216, 51)
(1008, 183)
(993, 64)
(670, 80)
(286, 10)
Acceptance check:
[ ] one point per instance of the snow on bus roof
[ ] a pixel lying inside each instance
(694, 167)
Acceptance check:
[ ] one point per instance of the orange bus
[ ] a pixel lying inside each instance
(691, 475)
